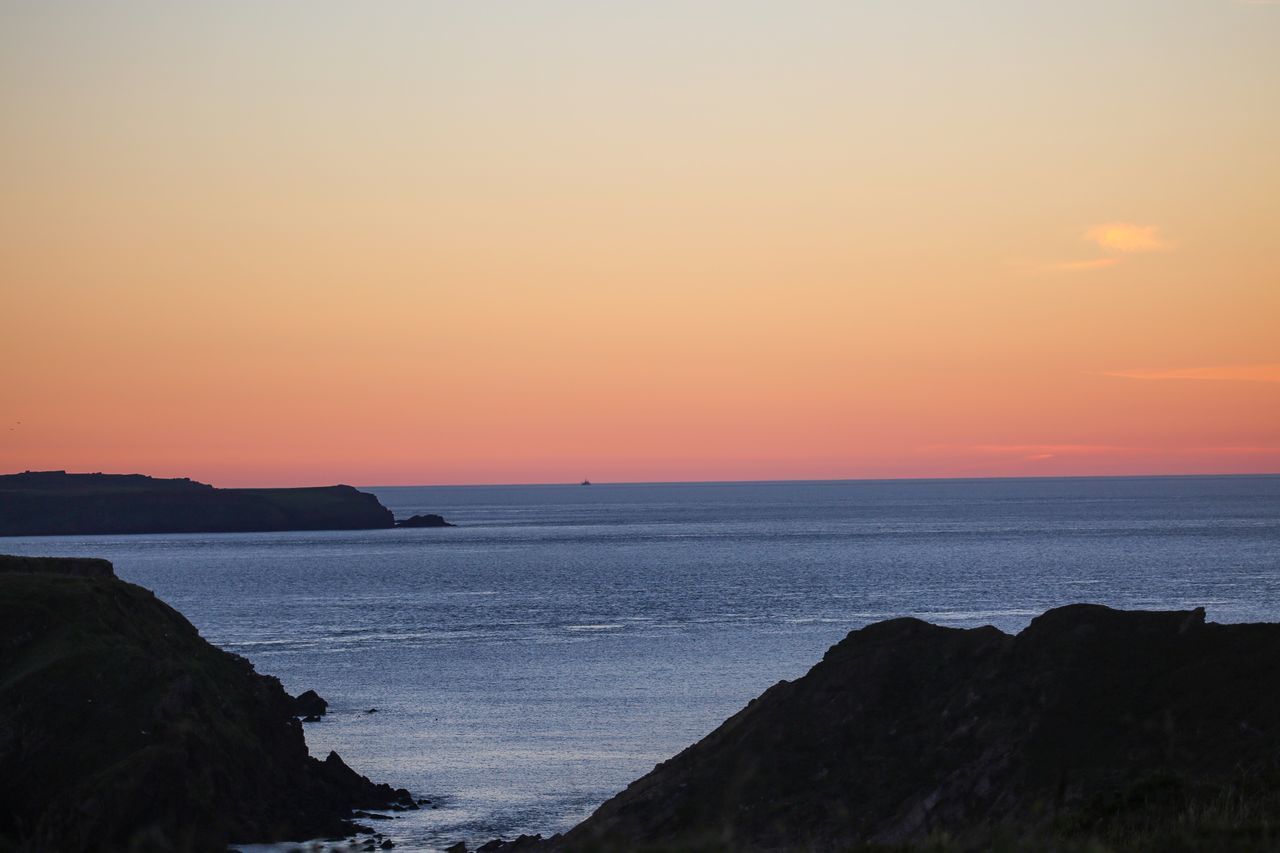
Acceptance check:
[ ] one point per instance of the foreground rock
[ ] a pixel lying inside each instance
(1124, 730)
(41, 503)
(309, 705)
(122, 729)
(429, 520)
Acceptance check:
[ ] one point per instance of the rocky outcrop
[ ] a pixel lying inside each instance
(1133, 730)
(122, 729)
(41, 503)
(309, 705)
(84, 567)
(429, 520)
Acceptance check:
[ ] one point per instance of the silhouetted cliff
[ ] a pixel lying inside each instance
(122, 729)
(1092, 729)
(85, 567)
(40, 503)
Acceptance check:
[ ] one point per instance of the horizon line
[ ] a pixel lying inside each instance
(580, 484)
(941, 479)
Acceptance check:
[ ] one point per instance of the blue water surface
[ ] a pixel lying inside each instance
(561, 640)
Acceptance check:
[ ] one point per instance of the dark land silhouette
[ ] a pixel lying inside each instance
(1092, 729)
(122, 729)
(41, 503)
(428, 520)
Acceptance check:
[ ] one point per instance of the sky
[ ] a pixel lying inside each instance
(297, 243)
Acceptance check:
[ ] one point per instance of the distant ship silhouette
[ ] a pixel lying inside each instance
(586, 483)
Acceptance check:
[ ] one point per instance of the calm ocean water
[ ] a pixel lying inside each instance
(563, 639)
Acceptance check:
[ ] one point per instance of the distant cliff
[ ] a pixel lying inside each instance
(1092, 730)
(122, 729)
(50, 503)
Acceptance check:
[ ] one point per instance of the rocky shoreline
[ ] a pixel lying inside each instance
(1091, 730)
(122, 729)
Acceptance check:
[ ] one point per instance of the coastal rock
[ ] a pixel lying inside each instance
(428, 520)
(363, 793)
(520, 845)
(1141, 730)
(122, 729)
(308, 704)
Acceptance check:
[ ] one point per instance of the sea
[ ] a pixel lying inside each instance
(520, 668)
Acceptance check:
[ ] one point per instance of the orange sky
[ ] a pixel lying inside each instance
(458, 242)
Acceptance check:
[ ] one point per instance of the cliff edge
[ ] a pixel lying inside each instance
(1092, 729)
(122, 729)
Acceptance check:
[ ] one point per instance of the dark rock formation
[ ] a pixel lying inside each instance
(122, 729)
(1139, 730)
(371, 796)
(84, 567)
(309, 704)
(40, 503)
(520, 845)
(423, 521)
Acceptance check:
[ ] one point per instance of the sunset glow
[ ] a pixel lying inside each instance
(458, 242)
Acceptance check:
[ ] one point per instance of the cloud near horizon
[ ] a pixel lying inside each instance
(1046, 452)
(1226, 373)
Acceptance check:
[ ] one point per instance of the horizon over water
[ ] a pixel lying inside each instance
(561, 640)
(802, 481)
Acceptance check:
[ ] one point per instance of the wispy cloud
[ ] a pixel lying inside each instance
(1227, 373)
(1097, 452)
(1118, 240)
(1041, 452)
(1059, 454)
(1127, 238)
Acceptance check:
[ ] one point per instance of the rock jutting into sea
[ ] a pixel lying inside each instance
(428, 520)
(122, 729)
(1092, 729)
(310, 706)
